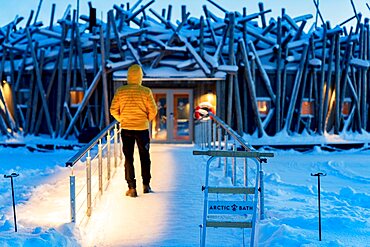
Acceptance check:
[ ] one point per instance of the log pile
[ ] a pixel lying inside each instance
(279, 61)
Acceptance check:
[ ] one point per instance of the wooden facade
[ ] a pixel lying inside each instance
(268, 76)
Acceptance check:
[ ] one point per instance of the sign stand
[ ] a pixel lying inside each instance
(11, 176)
(318, 188)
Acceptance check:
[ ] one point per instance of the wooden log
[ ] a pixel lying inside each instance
(283, 88)
(328, 82)
(59, 103)
(68, 80)
(301, 94)
(263, 73)
(201, 37)
(337, 85)
(29, 19)
(84, 102)
(356, 102)
(40, 86)
(104, 78)
(318, 13)
(263, 18)
(230, 76)
(252, 90)
(36, 95)
(38, 11)
(80, 56)
(69, 116)
(217, 6)
(295, 90)
(115, 31)
(290, 21)
(29, 105)
(239, 117)
(197, 58)
(321, 86)
(278, 78)
(48, 90)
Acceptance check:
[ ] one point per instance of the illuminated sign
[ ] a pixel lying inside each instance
(230, 207)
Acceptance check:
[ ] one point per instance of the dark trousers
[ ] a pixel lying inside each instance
(128, 144)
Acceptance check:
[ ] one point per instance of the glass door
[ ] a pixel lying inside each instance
(174, 121)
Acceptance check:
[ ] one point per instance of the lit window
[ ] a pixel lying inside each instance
(346, 106)
(264, 105)
(307, 108)
(77, 95)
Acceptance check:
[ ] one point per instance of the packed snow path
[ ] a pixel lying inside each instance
(159, 218)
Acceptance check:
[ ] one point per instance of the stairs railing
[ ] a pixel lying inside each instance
(219, 141)
(92, 169)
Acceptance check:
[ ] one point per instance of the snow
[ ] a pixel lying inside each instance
(172, 214)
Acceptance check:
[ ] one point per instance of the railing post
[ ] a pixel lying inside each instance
(100, 166)
(246, 176)
(108, 155)
(225, 158)
(88, 183)
(214, 136)
(115, 145)
(209, 133)
(72, 195)
(219, 136)
(262, 194)
(233, 160)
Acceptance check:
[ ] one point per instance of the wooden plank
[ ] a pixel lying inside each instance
(232, 190)
(227, 224)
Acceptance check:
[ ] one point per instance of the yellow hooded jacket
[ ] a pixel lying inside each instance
(133, 105)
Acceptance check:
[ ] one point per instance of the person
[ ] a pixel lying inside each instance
(134, 107)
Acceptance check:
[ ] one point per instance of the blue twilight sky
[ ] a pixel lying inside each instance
(334, 10)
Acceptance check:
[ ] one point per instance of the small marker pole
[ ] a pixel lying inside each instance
(318, 175)
(11, 176)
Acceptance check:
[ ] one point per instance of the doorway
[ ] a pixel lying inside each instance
(174, 121)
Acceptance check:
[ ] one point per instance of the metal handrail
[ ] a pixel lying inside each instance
(234, 134)
(88, 146)
(90, 173)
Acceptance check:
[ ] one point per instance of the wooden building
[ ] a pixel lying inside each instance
(259, 75)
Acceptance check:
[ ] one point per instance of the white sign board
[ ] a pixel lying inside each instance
(230, 207)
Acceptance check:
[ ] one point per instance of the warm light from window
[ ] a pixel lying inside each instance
(346, 106)
(263, 105)
(77, 95)
(307, 108)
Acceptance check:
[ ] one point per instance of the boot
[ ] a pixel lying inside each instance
(146, 189)
(131, 192)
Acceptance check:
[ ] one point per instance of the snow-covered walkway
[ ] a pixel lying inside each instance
(162, 218)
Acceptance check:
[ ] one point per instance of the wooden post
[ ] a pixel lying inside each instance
(296, 86)
(252, 90)
(104, 78)
(278, 79)
(230, 76)
(39, 84)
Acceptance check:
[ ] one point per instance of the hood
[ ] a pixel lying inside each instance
(134, 74)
